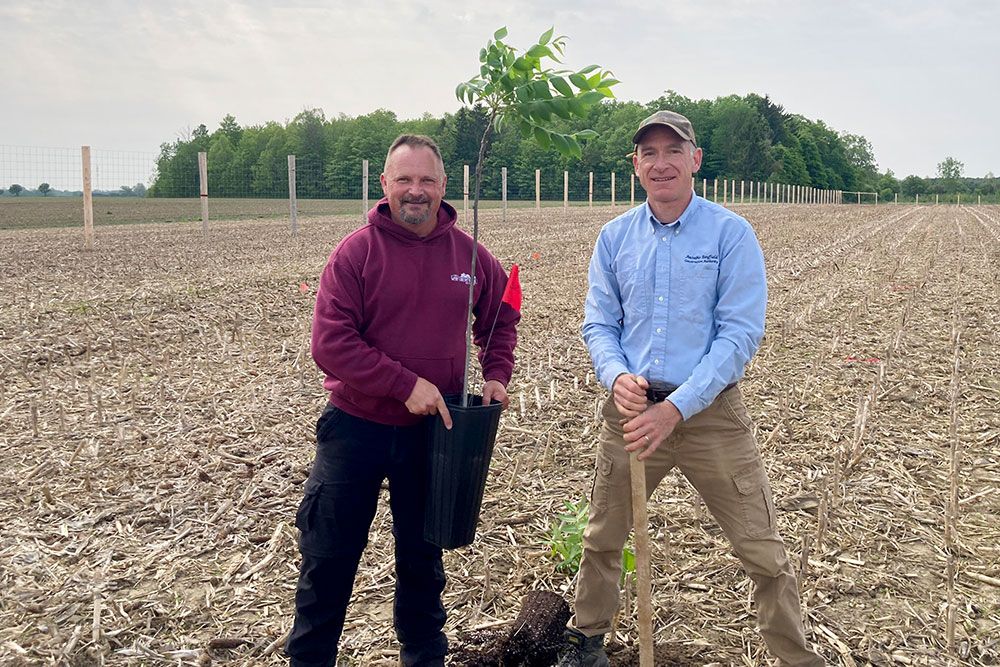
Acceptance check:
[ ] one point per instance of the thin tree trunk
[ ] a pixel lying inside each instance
(475, 252)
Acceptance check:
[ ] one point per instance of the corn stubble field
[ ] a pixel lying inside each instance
(157, 399)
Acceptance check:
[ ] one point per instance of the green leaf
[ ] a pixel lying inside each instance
(588, 69)
(500, 34)
(484, 71)
(546, 36)
(540, 90)
(482, 55)
(607, 83)
(522, 64)
(606, 92)
(460, 92)
(561, 144)
(628, 561)
(523, 93)
(542, 137)
(560, 107)
(560, 84)
(590, 98)
(585, 134)
(594, 80)
(575, 149)
(539, 51)
(537, 112)
(579, 81)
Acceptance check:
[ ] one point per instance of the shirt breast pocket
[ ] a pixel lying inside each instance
(635, 294)
(698, 293)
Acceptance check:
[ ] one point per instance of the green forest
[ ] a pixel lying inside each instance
(744, 138)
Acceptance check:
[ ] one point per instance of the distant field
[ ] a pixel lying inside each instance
(38, 212)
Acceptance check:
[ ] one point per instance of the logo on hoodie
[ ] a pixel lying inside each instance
(461, 278)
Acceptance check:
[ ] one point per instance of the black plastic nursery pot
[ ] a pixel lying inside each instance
(458, 463)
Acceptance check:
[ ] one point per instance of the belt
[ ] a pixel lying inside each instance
(657, 393)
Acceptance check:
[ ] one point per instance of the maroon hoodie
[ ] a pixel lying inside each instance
(391, 306)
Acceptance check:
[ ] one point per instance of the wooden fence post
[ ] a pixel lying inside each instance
(612, 192)
(203, 180)
(88, 200)
(538, 190)
(364, 191)
(590, 191)
(631, 191)
(465, 195)
(503, 182)
(292, 204)
(565, 190)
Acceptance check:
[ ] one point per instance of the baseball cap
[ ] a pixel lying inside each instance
(671, 119)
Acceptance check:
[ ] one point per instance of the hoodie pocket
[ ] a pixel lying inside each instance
(439, 371)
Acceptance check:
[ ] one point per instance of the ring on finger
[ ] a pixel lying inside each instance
(648, 441)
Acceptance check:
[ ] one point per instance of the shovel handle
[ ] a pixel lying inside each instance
(640, 523)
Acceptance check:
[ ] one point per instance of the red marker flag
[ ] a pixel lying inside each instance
(512, 292)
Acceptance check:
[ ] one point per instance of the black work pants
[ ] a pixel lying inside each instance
(353, 457)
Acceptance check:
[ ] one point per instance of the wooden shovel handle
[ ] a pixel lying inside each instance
(640, 523)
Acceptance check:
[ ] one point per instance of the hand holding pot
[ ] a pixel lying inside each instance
(494, 391)
(425, 399)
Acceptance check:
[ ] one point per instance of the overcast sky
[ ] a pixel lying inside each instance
(919, 79)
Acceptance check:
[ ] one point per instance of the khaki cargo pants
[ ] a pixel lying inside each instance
(717, 453)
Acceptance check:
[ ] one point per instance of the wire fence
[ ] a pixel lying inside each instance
(165, 190)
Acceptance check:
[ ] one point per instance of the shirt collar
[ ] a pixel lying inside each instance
(679, 222)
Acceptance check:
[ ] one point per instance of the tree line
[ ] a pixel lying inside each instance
(744, 138)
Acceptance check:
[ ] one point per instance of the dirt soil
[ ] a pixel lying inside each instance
(157, 404)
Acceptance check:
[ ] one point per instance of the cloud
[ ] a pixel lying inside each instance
(130, 75)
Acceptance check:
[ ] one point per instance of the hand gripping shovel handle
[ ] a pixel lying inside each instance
(640, 523)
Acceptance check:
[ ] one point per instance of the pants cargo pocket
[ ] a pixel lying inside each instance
(755, 500)
(331, 523)
(601, 489)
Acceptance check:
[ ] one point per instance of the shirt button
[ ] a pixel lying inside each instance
(659, 298)
(656, 361)
(677, 231)
(659, 330)
(663, 238)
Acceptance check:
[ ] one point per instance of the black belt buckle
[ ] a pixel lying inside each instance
(658, 392)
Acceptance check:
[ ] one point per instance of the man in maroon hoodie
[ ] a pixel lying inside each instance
(389, 333)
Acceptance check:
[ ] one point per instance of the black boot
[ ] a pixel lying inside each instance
(582, 651)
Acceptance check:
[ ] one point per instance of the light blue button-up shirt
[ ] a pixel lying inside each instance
(680, 303)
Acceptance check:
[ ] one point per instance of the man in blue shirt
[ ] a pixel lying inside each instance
(674, 311)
